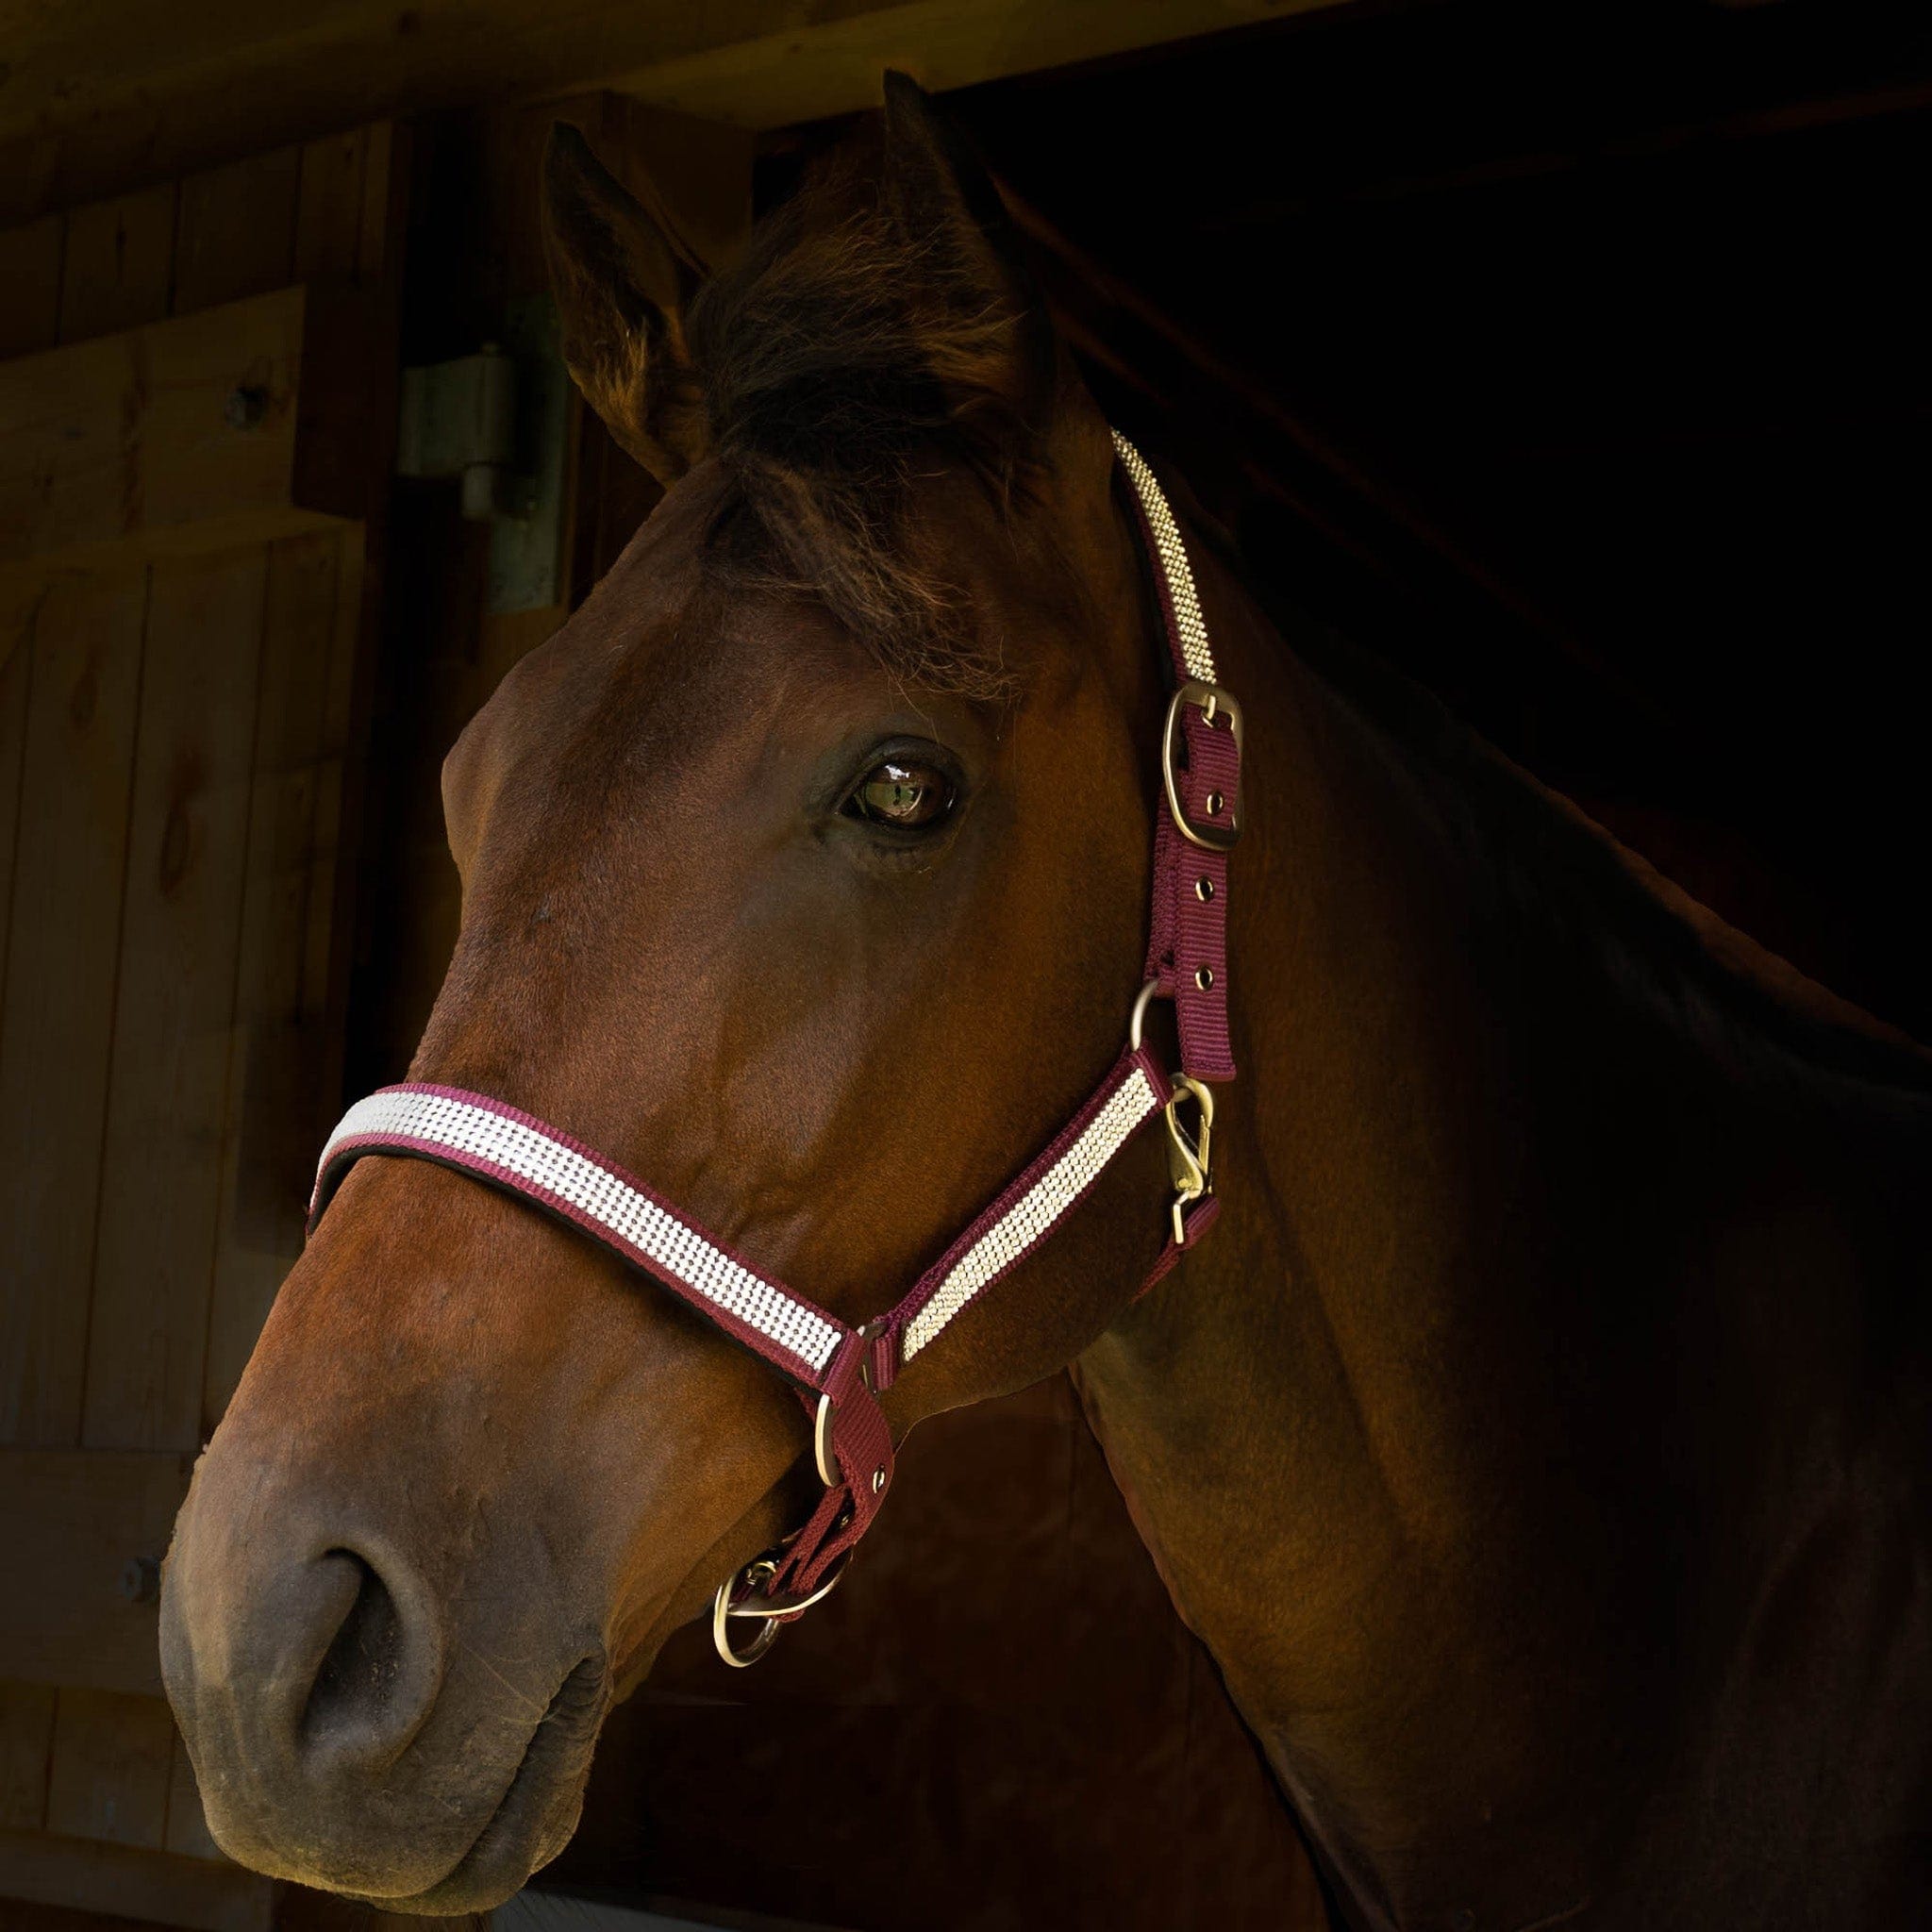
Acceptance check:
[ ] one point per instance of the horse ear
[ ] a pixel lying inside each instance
(946, 203)
(624, 285)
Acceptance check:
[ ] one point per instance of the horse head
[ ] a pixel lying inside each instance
(805, 873)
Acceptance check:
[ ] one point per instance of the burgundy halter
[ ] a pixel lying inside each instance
(839, 1370)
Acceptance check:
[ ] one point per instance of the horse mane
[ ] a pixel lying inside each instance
(847, 357)
(841, 359)
(1556, 872)
(1553, 870)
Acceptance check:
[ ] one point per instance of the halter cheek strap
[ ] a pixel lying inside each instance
(839, 1371)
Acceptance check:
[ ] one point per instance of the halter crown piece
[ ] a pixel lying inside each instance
(839, 1371)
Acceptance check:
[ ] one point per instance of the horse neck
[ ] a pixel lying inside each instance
(1406, 1435)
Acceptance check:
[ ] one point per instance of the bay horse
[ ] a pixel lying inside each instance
(1538, 1439)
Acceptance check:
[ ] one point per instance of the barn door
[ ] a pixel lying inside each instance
(195, 407)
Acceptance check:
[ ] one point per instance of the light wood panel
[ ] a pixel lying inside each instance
(30, 285)
(71, 1521)
(187, 1832)
(62, 945)
(117, 270)
(236, 235)
(220, 961)
(27, 1735)
(16, 665)
(243, 424)
(180, 926)
(111, 1757)
(281, 1050)
(127, 1880)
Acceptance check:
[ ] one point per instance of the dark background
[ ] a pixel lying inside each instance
(1574, 359)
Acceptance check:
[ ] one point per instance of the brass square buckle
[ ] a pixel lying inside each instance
(1212, 701)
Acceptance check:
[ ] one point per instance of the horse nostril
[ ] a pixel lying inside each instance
(363, 1685)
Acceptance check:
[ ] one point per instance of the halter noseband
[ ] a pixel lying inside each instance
(839, 1371)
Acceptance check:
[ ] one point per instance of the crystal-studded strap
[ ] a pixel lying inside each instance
(1030, 1209)
(1187, 947)
(513, 1150)
(1187, 628)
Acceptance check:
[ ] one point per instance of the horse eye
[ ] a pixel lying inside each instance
(907, 795)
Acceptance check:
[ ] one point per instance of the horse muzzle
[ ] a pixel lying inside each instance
(359, 1723)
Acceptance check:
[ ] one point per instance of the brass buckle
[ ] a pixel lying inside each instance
(1190, 1156)
(1212, 701)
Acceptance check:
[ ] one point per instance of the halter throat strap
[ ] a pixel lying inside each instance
(840, 1371)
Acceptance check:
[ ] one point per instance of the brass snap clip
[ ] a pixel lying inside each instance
(1190, 1156)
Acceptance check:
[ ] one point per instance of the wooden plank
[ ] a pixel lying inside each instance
(120, 261)
(112, 1753)
(328, 217)
(180, 927)
(62, 944)
(136, 1882)
(187, 1832)
(237, 233)
(104, 93)
(31, 285)
(27, 1737)
(71, 1521)
(273, 1077)
(385, 203)
(16, 665)
(242, 424)
(20, 1916)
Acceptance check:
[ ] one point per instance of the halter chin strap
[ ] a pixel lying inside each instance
(839, 1370)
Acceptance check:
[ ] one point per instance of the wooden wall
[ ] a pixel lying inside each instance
(181, 942)
(178, 725)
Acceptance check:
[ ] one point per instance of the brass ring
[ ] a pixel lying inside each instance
(767, 1610)
(721, 1611)
(821, 1443)
(768, 1615)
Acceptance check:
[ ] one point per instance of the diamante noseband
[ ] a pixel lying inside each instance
(839, 1371)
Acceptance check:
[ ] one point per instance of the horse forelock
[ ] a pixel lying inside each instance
(843, 362)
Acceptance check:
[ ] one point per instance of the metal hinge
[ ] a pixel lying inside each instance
(498, 423)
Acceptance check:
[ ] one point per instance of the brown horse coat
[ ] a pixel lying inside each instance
(1538, 1442)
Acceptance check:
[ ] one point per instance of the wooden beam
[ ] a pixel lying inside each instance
(133, 1883)
(71, 1522)
(101, 94)
(238, 425)
(833, 63)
